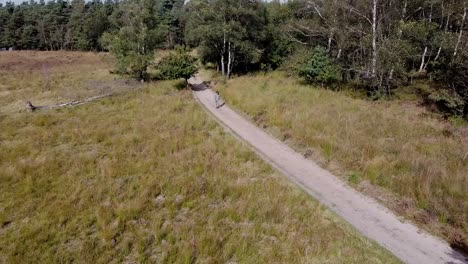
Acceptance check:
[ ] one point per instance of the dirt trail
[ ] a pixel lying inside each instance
(370, 218)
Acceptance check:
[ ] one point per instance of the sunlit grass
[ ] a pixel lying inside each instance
(148, 176)
(54, 77)
(391, 144)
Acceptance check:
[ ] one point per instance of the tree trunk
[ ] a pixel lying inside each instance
(423, 60)
(374, 38)
(329, 42)
(403, 17)
(339, 54)
(223, 70)
(224, 49)
(222, 64)
(447, 24)
(428, 61)
(430, 14)
(389, 82)
(229, 61)
(438, 54)
(446, 30)
(461, 32)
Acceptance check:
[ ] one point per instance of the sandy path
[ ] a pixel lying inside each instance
(373, 220)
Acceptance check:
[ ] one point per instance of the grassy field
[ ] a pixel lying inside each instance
(143, 177)
(396, 151)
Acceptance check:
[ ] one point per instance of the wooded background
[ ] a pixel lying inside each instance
(375, 45)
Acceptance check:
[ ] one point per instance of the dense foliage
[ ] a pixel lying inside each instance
(382, 44)
(377, 45)
(319, 68)
(55, 25)
(141, 31)
(228, 32)
(79, 24)
(178, 64)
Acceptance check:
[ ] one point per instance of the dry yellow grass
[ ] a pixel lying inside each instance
(148, 177)
(54, 77)
(396, 145)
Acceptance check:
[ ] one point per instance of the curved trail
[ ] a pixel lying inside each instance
(373, 220)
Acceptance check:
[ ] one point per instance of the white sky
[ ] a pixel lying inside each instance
(14, 1)
(19, 1)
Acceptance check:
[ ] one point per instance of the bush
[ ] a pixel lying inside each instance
(178, 64)
(453, 76)
(320, 68)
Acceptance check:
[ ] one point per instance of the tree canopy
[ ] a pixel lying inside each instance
(376, 45)
(178, 64)
(141, 31)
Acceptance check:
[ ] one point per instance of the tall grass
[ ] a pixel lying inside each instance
(391, 144)
(53, 77)
(149, 177)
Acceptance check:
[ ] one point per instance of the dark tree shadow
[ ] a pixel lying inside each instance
(200, 87)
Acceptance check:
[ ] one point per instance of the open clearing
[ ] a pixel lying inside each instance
(144, 177)
(394, 151)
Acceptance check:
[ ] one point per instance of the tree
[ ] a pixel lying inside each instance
(349, 28)
(462, 25)
(97, 22)
(134, 43)
(229, 32)
(73, 25)
(178, 64)
(171, 12)
(6, 37)
(276, 45)
(76, 36)
(319, 68)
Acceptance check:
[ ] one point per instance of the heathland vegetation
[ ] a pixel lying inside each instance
(143, 177)
(396, 151)
(391, 109)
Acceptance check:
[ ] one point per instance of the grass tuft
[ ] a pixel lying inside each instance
(354, 178)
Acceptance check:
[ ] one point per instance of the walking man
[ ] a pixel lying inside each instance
(217, 99)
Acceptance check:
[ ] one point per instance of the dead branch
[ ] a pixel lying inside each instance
(31, 108)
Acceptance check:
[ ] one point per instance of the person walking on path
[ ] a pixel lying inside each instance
(218, 100)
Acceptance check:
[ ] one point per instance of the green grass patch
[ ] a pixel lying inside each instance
(354, 178)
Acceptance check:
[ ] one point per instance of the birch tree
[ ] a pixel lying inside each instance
(229, 32)
(460, 33)
(134, 43)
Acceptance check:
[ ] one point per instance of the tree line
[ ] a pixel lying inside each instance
(55, 25)
(73, 25)
(376, 45)
(382, 44)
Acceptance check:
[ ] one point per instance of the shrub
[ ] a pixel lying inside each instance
(178, 64)
(320, 68)
(452, 76)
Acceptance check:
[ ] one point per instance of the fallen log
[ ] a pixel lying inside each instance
(31, 108)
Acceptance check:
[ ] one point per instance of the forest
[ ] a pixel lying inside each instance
(375, 46)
